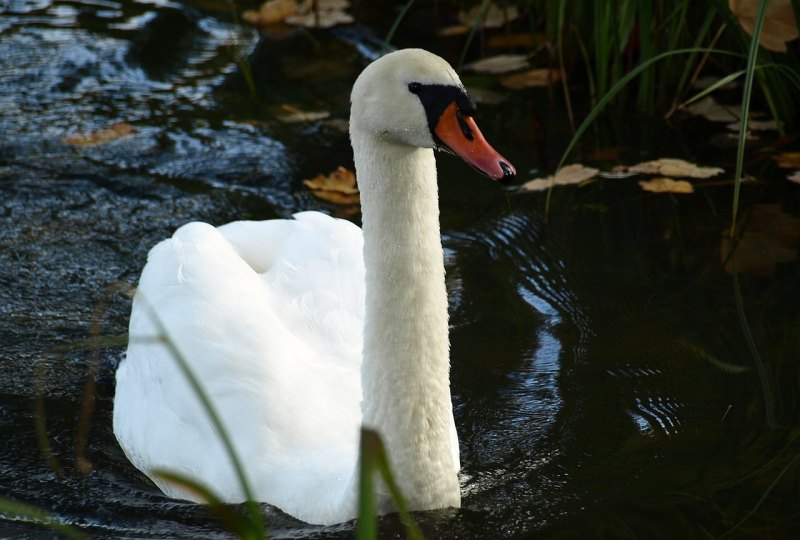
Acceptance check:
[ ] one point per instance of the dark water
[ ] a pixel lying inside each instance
(611, 378)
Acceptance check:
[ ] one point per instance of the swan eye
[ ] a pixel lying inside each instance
(414, 87)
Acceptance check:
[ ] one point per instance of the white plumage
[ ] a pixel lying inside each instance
(288, 331)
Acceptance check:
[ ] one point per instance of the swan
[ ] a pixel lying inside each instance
(303, 330)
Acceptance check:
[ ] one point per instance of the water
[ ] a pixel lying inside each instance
(603, 383)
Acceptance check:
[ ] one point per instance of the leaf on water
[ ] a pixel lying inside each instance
(293, 115)
(709, 109)
(489, 97)
(339, 187)
(328, 13)
(504, 40)
(609, 153)
(755, 125)
(705, 82)
(502, 63)
(675, 168)
(666, 185)
(540, 77)
(770, 238)
(780, 24)
(794, 177)
(271, 12)
(453, 30)
(788, 160)
(495, 17)
(100, 136)
(569, 174)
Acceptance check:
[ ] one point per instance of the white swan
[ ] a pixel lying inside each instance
(274, 316)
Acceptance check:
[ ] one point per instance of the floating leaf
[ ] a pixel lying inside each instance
(495, 17)
(666, 185)
(755, 125)
(770, 238)
(709, 109)
(540, 77)
(489, 97)
(324, 19)
(339, 187)
(794, 177)
(675, 168)
(293, 115)
(505, 40)
(453, 30)
(569, 174)
(100, 136)
(788, 160)
(780, 24)
(328, 13)
(502, 63)
(271, 12)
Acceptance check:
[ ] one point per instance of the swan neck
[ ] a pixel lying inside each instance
(405, 371)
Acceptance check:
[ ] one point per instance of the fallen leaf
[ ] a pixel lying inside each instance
(755, 125)
(704, 82)
(540, 77)
(504, 40)
(293, 115)
(495, 17)
(489, 97)
(569, 174)
(675, 168)
(328, 13)
(788, 160)
(453, 30)
(339, 187)
(770, 238)
(794, 177)
(709, 109)
(271, 12)
(780, 24)
(502, 63)
(324, 19)
(666, 185)
(100, 136)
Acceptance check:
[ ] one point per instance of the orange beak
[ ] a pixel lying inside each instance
(460, 134)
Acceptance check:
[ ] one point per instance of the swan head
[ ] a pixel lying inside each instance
(415, 98)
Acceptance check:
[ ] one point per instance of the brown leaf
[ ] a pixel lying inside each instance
(675, 168)
(339, 187)
(666, 185)
(570, 174)
(788, 160)
(328, 13)
(502, 63)
(100, 136)
(495, 17)
(504, 40)
(271, 12)
(779, 26)
(293, 115)
(794, 177)
(770, 238)
(453, 30)
(540, 77)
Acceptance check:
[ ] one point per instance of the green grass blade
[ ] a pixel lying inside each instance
(213, 416)
(748, 90)
(373, 459)
(30, 514)
(236, 523)
(719, 84)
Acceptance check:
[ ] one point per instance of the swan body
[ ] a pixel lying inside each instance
(303, 330)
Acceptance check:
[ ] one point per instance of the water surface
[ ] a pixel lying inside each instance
(602, 376)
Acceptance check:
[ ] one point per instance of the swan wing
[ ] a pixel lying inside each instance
(269, 316)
